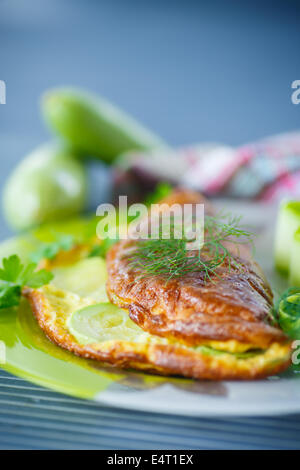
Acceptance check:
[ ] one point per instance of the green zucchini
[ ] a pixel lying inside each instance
(295, 260)
(287, 223)
(93, 126)
(49, 184)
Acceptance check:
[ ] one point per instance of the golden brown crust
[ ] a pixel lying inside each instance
(235, 306)
(164, 359)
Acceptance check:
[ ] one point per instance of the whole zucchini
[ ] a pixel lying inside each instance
(93, 126)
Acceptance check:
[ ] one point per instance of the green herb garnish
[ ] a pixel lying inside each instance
(170, 258)
(101, 250)
(51, 249)
(14, 275)
(287, 312)
(161, 191)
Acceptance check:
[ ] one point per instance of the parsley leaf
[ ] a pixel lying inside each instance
(12, 268)
(9, 294)
(38, 278)
(51, 249)
(14, 275)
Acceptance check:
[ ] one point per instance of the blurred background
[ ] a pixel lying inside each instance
(191, 71)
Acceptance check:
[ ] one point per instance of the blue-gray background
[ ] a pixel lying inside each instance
(190, 70)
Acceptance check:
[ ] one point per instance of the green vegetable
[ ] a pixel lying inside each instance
(51, 249)
(93, 126)
(287, 312)
(49, 184)
(15, 275)
(295, 260)
(104, 322)
(287, 223)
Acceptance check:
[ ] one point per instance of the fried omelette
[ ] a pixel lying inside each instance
(204, 330)
(230, 312)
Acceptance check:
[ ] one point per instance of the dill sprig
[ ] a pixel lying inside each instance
(170, 258)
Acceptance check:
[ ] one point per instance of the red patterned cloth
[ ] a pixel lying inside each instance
(268, 169)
